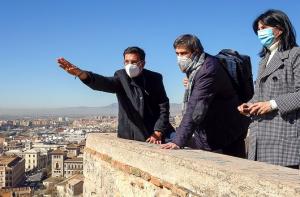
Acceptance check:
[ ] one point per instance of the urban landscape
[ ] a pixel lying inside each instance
(44, 156)
(149, 98)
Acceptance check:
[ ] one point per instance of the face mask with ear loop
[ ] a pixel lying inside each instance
(132, 70)
(183, 62)
(266, 36)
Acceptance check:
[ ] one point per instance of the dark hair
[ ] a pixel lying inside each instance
(189, 41)
(278, 19)
(135, 50)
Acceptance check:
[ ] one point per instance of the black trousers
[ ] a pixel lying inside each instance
(293, 167)
(236, 149)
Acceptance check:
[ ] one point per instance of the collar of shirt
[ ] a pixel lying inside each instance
(273, 48)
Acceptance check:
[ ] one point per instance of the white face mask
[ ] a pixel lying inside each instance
(132, 70)
(183, 62)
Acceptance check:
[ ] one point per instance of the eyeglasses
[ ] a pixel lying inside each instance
(132, 62)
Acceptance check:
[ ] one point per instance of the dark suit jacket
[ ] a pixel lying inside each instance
(143, 103)
(212, 108)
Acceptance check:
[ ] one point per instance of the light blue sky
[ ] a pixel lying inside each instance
(93, 35)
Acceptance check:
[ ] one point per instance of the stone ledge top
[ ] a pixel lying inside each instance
(188, 166)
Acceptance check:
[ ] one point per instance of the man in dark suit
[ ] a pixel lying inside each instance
(211, 120)
(143, 103)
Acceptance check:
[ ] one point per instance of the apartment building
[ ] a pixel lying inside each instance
(35, 159)
(12, 171)
(73, 166)
(62, 166)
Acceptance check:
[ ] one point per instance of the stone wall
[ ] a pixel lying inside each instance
(118, 167)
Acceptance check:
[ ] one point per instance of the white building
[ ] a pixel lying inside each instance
(35, 159)
(75, 135)
(46, 146)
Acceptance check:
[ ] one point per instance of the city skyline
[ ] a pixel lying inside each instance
(93, 35)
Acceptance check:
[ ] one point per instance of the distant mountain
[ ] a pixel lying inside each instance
(110, 110)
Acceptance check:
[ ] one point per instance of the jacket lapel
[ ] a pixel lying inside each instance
(276, 61)
(262, 66)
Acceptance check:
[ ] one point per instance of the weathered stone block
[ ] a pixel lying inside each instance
(118, 167)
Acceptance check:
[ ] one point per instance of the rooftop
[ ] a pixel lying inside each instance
(75, 180)
(53, 179)
(72, 146)
(75, 159)
(58, 152)
(8, 160)
(31, 151)
(75, 176)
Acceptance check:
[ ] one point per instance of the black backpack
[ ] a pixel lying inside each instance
(239, 69)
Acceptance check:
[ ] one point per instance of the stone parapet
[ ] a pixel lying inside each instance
(118, 167)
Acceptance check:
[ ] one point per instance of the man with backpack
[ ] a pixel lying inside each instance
(211, 120)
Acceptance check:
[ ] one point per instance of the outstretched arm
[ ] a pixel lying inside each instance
(94, 81)
(72, 69)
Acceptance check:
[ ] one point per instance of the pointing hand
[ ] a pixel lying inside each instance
(70, 68)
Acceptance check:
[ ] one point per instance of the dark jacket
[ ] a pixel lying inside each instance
(212, 109)
(143, 103)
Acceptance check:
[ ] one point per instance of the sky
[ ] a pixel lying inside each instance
(93, 35)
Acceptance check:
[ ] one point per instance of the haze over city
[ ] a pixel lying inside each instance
(93, 35)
